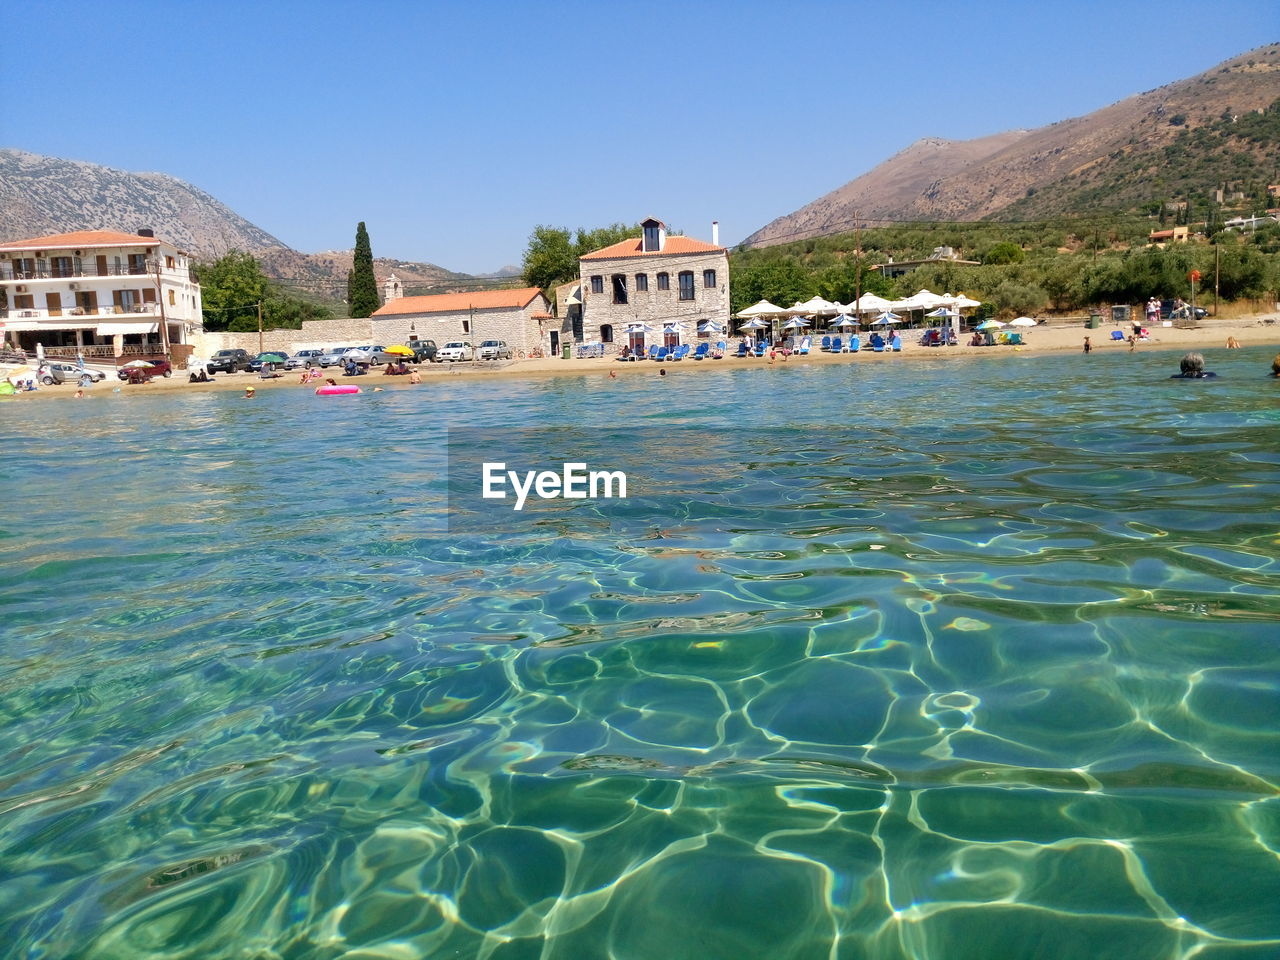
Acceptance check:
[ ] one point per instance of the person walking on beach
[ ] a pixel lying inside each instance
(1087, 345)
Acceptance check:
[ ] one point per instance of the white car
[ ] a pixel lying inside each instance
(455, 350)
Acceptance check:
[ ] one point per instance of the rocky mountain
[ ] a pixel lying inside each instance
(41, 195)
(1110, 157)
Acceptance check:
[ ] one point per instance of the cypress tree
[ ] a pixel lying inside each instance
(362, 288)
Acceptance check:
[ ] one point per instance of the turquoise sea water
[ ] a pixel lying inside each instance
(974, 659)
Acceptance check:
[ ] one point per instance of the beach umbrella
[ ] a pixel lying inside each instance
(637, 328)
(815, 306)
(401, 351)
(989, 325)
(795, 324)
(710, 326)
(964, 303)
(885, 319)
(135, 364)
(940, 312)
(845, 322)
(762, 309)
(1022, 322)
(272, 358)
(754, 324)
(869, 303)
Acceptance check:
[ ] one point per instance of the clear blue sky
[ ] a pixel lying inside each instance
(453, 128)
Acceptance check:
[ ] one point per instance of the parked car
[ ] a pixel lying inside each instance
(493, 350)
(51, 373)
(424, 351)
(228, 361)
(268, 357)
(154, 368)
(304, 358)
(1168, 309)
(332, 357)
(71, 371)
(369, 355)
(455, 350)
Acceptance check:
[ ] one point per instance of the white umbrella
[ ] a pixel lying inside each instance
(962, 302)
(845, 322)
(755, 324)
(869, 303)
(136, 363)
(795, 324)
(1022, 322)
(886, 318)
(814, 306)
(710, 326)
(940, 312)
(762, 309)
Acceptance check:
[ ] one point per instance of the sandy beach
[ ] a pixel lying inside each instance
(1048, 338)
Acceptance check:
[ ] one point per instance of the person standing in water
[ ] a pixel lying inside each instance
(1087, 345)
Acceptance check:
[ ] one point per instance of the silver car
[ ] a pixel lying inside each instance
(304, 358)
(493, 350)
(372, 355)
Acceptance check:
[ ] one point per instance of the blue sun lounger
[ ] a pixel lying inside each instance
(824, 343)
(837, 345)
(702, 351)
(1117, 335)
(855, 344)
(896, 343)
(760, 349)
(661, 354)
(742, 349)
(720, 347)
(804, 345)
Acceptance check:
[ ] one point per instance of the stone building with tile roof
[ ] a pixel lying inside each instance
(518, 316)
(652, 289)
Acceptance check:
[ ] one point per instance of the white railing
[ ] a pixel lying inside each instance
(35, 313)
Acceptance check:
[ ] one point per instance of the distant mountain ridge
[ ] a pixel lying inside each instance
(1071, 166)
(42, 195)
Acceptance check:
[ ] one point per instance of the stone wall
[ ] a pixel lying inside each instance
(349, 332)
(512, 324)
(655, 307)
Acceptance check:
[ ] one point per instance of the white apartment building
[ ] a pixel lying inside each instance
(102, 294)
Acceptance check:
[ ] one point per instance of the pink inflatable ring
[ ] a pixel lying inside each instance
(336, 389)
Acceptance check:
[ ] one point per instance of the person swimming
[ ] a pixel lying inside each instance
(1275, 366)
(1192, 366)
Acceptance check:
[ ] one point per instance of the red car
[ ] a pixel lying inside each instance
(154, 368)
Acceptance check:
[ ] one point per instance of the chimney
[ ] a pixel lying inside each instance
(715, 232)
(146, 232)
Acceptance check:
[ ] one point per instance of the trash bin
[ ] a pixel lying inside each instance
(1095, 321)
(564, 353)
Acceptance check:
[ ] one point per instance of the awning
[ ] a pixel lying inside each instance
(27, 326)
(111, 329)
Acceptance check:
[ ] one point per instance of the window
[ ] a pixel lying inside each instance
(466, 326)
(619, 281)
(172, 301)
(597, 284)
(664, 281)
(708, 278)
(168, 262)
(651, 239)
(61, 266)
(137, 263)
(606, 333)
(642, 283)
(686, 284)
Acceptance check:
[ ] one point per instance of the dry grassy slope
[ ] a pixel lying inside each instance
(325, 274)
(979, 178)
(886, 190)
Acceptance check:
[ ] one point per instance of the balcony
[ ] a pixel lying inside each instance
(32, 313)
(9, 273)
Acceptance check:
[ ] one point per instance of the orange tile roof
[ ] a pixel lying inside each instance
(452, 302)
(673, 246)
(83, 238)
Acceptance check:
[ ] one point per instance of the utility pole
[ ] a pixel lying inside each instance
(164, 321)
(857, 281)
(260, 350)
(1217, 266)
